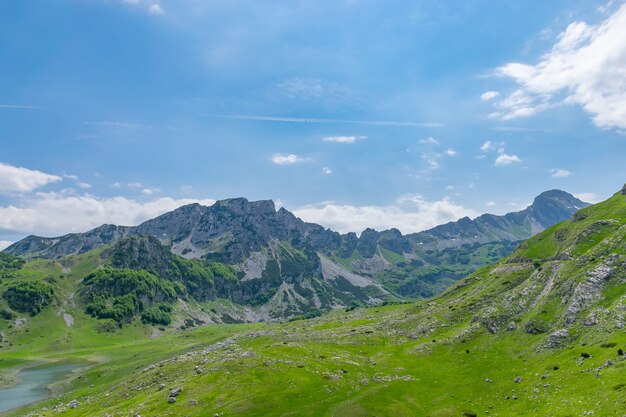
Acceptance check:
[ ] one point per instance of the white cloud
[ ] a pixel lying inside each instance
(451, 152)
(559, 173)
(489, 95)
(429, 141)
(504, 159)
(343, 139)
(488, 146)
(56, 213)
(588, 197)
(75, 178)
(4, 244)
(150, 191)
(116, 185)
(586, 66)
(135, 185)
(490, 204)
(156, 9)
(327, 170)
(410, 214)
(287, 159)
(17, 179)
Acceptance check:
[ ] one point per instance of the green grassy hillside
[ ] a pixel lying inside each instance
(538, 333)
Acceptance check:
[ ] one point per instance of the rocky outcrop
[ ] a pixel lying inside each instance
(588, 291)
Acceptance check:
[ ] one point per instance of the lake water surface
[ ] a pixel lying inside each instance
(33, 384)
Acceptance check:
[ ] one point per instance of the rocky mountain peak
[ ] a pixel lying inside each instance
(554, 206)
(241, 205)
(624, 189)
(559, 197)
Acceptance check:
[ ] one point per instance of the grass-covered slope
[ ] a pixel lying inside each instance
(540, 333)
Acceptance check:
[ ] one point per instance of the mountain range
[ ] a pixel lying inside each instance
(280, 266)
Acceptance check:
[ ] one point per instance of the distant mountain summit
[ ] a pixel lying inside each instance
(548, 208)
(299, 266)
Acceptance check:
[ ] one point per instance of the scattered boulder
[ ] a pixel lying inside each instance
(557, 338)
(518, 379)
(171, 400)
(176, 392)
(73, 404)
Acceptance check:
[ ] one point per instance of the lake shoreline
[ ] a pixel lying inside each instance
(54, 375)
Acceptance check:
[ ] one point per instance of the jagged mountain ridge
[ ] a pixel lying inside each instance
(196, 231)
(547, 209)
(275, 249)
(230, 229)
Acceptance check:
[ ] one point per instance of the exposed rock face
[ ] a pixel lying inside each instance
(624, 190)
(587, 292)
(268, 248)
(71, 244)
(557, 338)
(227, 231)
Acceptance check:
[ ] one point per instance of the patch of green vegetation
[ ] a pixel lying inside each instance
(160, 314)
(29, 296)
(9, 263)
(391, 256)
(120, 294)
(542, 246)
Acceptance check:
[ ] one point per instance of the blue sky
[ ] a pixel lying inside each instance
(351, 113)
